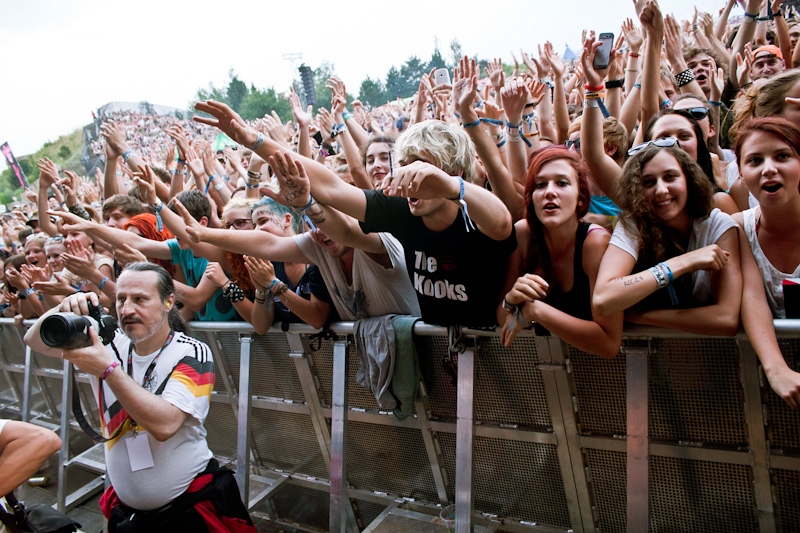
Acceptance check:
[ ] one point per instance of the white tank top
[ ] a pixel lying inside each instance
(773, 278)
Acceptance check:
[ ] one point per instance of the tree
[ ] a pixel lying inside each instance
(437, 61)
(258, 103)
(236, 91)
(372, 93)
(394, 84)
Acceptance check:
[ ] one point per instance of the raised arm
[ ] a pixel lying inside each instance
(113, 236)
(602, 167)
(559, 95)
(255, 243)
(328, 188)
(465, 85)
(48, 175)
(351, 152)
(173, 222)
(653, 25)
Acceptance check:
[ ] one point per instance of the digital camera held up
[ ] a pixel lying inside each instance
(67, 331)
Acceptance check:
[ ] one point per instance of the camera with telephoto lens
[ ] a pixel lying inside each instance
(67, 331)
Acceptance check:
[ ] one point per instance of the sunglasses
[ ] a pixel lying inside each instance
(576, 143)
(239, 223)
(697, 113)
(54, 240)
(660, 143)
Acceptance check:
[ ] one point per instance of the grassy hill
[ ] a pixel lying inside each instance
(65, 153)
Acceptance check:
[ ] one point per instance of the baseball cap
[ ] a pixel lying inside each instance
(770, 49)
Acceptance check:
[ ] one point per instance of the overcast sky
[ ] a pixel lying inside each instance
(64, 58)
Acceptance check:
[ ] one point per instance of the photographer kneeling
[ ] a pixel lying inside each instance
(153, 387)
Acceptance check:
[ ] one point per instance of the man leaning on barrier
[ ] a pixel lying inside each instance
(153, 386)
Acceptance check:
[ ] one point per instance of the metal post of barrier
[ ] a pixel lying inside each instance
(552, 364)
(338, 514)
(243, 419)
(638, 467)
(465, 439)
(754, 417)
(26, 385)
(63, 458)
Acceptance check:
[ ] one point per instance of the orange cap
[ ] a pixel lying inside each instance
(770, 49)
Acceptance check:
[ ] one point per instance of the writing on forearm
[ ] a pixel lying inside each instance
(633, 280)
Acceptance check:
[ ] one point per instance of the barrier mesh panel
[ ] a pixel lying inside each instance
(304, 506)
(357, 396)
(508, 384)
(368, 511)
(274, 373)
(286, 441)
(688, 495)
(441, 391)
(695, 392)
(787, 489)
(323, 362)
(519, 480)
(389, 459)
(783, 423)
(607, 471)
(12, 347)
(599, 386)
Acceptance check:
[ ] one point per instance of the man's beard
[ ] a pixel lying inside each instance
(151, 330)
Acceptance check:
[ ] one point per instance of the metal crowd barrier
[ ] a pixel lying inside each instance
(677, 433)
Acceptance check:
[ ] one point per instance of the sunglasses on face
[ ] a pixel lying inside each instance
(239, 223)
(576, 143)
(661, 143)
(697, 113)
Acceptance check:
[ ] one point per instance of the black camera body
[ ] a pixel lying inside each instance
(67, 331)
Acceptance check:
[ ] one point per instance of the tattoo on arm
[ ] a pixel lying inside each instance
(633, 280)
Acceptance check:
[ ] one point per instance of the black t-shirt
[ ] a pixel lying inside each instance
(458, 275)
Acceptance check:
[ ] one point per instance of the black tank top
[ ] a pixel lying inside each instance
(577, 301)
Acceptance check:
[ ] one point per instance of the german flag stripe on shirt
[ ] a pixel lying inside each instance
(197, 377)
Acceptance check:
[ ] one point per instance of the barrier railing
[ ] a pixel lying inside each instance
(679, 432)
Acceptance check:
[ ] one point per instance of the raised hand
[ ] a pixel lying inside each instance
(126, 253)
(515, 96)
(145, 181)
(226, 120)
(593, 77)
(650, 17)
(56, 286)
(465, 84)
(556, 64)
(633, 36)
(303, 118)
(194, 229)
(494, 71)
(48, 172)
(181, 140)
(294, 187)
(114, 135)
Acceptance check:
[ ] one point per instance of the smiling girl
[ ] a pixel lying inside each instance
(670, 237)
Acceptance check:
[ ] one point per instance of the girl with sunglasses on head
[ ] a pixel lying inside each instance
(553, 271)
(769, 162)
(673, 260)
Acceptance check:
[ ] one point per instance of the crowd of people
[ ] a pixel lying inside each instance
(655, 181)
